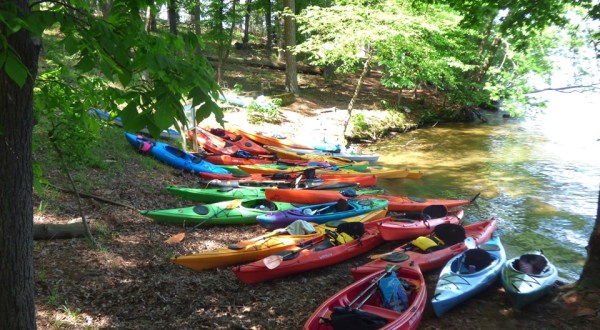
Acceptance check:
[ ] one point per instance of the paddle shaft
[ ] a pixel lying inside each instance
(210, 218)
(373, 284)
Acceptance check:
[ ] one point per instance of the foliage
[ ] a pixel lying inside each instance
(264, 110)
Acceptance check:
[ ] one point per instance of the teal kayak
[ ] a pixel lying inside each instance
(214, 195)
(467, 274)
(527, 278)
(218, 213)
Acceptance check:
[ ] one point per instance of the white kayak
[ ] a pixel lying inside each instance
(527, 278)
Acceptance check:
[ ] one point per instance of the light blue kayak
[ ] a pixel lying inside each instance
(173, 156)
(527, 278)
(167, 133)
(468, 274)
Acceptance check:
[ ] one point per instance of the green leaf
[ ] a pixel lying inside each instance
(85, 64)
(15, 69)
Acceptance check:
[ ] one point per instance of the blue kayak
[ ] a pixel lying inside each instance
(173, 156)
(321, 213)
(167, 133)
(468, 274)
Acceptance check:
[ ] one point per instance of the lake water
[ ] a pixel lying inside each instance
(538, 176)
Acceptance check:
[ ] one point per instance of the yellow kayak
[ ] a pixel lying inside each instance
(265, 245)
(289, 154)
(379, 173)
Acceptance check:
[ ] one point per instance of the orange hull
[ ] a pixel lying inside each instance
(396, 203)
(270, 140)
(364, 180)
(212, 143)
(240, 141)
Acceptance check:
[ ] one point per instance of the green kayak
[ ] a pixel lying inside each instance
(218, 213)
(214, 195)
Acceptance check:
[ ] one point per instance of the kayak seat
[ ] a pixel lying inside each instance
(532, 264)
(342, 205)
(477, 258)
(326, 244)
(434, 212)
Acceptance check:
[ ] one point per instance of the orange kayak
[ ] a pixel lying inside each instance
(409, 227)
(290, 154)
(362, 180)
(405, 254)
(271, 140)
(381, 174)
(211, 142)
(232, 160)
(240, 141)
(396, 203)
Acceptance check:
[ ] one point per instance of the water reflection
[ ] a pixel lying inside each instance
(538, 175)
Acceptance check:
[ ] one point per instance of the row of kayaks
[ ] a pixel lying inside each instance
(288, 163)
(470, 256)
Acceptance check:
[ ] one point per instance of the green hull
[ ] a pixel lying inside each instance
(215, 195)
(217, 213)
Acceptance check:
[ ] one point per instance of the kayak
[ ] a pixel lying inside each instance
(262, 246)
(320, 213)
(396, 203)
(173, 156)
(381, 174)
(481, 231)
(166, 134)
(363, 180)
(217, 213)
(232, 160)
(317, 254)
(212, 143)
(527, 278)
(284, 168)
(213, 195)
(306, 155)
(270, 139)
(347, 156)
(371, 158)
(414, 225)
(468, 274)
(363, 304)
(239, 141)
(285, 184)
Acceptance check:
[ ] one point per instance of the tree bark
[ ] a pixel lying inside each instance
(17, 305)
(488, 60)
(289, 31)
(590, 275)
(246, 36)
(197, 30)
(150, 20)
(172, 13)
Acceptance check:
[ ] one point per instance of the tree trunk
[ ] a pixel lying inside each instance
(363, 74)
(590, 275)
(17, 305)
(488, 60)
(269, 28)
(150, 20)
(246, 36)
(172, 13)
(106, 7)
(289, 31)
(197, 30)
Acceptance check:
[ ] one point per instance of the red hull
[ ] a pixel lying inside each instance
(240, 141)
(480, 231)
(309, 259)
(394, 230)
(231, 160)
(396, 203)
(363, 180)
(406, 320)
(212, 143)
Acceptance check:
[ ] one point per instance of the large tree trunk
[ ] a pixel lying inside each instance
(173, 17)
(246, 36)
(17, 305)
(590, 276)
(488, 60)
(197, 29)
(289, 31)
(150, 20)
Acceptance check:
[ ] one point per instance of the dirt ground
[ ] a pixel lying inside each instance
(128, 282)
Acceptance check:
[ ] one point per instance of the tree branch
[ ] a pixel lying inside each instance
(567, 89)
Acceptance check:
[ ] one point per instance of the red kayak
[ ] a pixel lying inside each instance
(396, 203)
(232, 160)
(317, 254)
(240, 141)
(407, 253)
(363, 180)
(409, 226)
(362, 304)
(211, 142)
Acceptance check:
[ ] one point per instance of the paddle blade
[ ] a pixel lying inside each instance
(273, 261)
(470, 243)
(175, 238)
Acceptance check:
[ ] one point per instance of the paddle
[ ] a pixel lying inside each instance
(388, 269)
(179, 237)
(243, 244)
(273, 261)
